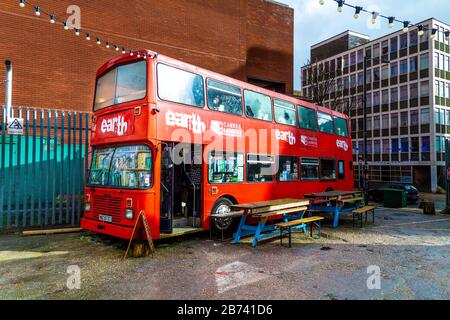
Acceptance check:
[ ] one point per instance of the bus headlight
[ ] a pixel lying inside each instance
(87, 207)
(129, 214)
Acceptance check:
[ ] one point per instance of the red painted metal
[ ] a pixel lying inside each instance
(159, 119)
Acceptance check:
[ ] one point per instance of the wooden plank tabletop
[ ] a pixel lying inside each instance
(273, 205)
(332, 194)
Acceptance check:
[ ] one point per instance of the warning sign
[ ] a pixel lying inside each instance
(15, 126)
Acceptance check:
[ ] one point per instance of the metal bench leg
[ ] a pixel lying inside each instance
(257, 236)
(312, 224)
(290, 237)
(362, 219)
(373, 216)
(320, 229)
(336, 218)
(366, 217)
(281, 236)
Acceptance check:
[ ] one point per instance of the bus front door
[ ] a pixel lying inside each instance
(167, 189)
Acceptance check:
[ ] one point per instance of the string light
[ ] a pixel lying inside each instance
(357, 12)
(420, 30)
(53, 19)
(391, 20)
(433, 33)
(340, 5)
(374, 17)
(406, 26)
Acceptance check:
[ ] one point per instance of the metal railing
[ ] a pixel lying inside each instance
(43, 165)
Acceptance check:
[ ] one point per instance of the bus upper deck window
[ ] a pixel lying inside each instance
(224, 97)
(341, 128)
(285, 112)
(325, 122)
(308, 118)
(179, 86)
(258, 106)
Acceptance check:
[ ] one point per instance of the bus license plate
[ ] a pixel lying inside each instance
(105, 218)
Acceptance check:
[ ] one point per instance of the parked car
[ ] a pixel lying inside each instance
(377, 194)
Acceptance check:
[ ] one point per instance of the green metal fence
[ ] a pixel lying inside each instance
(42, 168)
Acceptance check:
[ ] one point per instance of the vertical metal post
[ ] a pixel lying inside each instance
(10, 173)
(26, 175)
(74, 165)
(55, 165)
(80, 176)
(33, 168)
(39, 184)
(366, 168)
(47, 176)
(8, 89)
(18, 177)
(69, 167)
(62, 175)
(2, 166)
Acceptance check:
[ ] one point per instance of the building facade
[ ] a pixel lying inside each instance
(251, 40)
(408, 101)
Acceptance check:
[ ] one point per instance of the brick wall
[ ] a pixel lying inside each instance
(53, 68)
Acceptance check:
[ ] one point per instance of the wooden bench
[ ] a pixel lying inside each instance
(289, 225)
(364, 211)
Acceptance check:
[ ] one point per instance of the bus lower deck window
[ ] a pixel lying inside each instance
(226, 167)
(288, 169)
(328, 169)
(260, 168)
(309, 169)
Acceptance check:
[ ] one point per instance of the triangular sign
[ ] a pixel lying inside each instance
(15, 125)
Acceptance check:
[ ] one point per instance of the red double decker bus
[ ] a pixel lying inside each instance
(180, 142)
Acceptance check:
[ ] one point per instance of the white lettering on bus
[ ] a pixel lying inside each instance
(341, 144)
(117, 125)
(228, 129)
(287, 136)
(191, 122)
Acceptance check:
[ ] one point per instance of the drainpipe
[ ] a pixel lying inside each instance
(8, 91)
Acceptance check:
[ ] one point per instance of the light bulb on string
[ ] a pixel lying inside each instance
(405, 26)
(88, 36)
(391, 22)
(37, 11)
(22, 3)
(99, 42)
(357, 12)
(375, 17)
(340, 5)
(321, 2)
(420, 30)
(77, 31)
(52, 19)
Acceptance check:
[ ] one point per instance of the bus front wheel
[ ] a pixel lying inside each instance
(222, 206)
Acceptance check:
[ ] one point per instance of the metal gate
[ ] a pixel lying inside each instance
(42, 167)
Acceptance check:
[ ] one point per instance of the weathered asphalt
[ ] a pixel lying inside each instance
(410, 249)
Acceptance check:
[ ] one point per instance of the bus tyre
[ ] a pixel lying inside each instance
(139, 250)
(222, 206)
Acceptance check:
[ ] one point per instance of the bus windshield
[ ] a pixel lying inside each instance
(122, 84)
(127, 167)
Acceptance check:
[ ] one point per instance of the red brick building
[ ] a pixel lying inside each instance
(251, 40)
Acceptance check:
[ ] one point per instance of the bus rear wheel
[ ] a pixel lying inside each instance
(222, 206)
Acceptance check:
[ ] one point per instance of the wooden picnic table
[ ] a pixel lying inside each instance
(336, 203)
(262, 212)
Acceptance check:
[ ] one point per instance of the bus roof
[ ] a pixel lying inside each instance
(211, 74)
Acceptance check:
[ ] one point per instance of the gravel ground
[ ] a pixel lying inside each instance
(411, 250)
